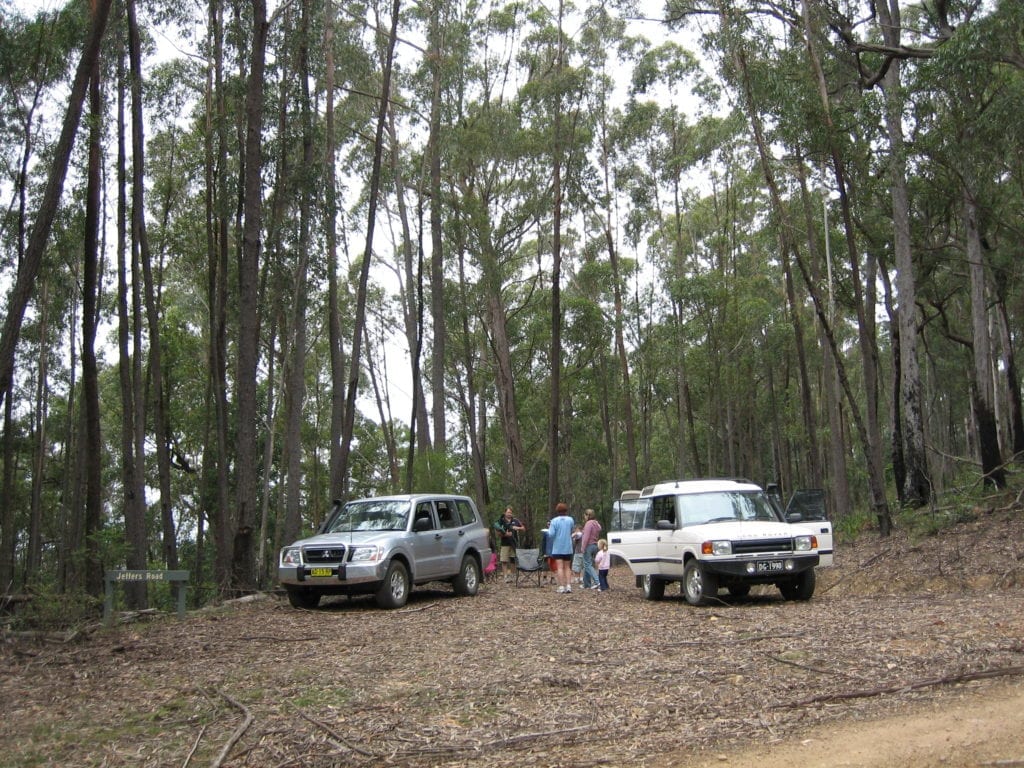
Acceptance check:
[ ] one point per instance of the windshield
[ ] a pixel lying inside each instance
(371, 516)
(724, 506)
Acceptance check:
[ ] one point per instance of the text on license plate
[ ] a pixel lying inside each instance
(769, 566)
(319, 571)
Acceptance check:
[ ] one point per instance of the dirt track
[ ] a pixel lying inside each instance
(910, 654)
(977, 728)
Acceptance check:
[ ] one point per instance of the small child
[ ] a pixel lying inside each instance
(577, 554)
(603, 563)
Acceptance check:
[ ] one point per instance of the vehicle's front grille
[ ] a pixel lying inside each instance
(332, 554)
(756, 546)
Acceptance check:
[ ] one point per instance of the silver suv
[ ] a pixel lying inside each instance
(385, 545)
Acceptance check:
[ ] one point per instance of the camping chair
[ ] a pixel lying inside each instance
(529, 562)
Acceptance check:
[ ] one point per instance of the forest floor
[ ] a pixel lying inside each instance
(911, 653)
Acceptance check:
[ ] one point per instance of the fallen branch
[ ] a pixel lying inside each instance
(728, 640)
(511, 741)
(342, 741)
(195, 746)
(952, 679)
(238, 731)
(815, 670)
(417, 610)
(541, 735)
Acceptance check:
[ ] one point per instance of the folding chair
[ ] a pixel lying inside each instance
(528, 563)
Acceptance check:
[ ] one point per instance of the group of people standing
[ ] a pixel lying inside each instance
(563, 540)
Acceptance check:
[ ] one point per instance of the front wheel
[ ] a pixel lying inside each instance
(800, 588)
(654, 588)
(393, 592)
(302, 597)
(467, 583)
(699, 586)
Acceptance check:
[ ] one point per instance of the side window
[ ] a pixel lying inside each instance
(446, 515)
(465, 512)
(423, 512)
(631, 515)
(664, 508)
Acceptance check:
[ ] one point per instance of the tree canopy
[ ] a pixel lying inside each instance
(276, 254)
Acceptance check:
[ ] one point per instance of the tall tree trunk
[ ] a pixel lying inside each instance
(869, 428)
(140, 239)
(807, 409)
(504, 384)
(295, 393)
(1015, 415)
(437, 287)
(868, 434)
(216, 459)
(411, 288)
(334, 336)
(620, 341)
(916, 483)
(684, 401)
(983, 387)
(90, 568)
(472, 399)
(34, 545)
(28, 269)
(133, 479)
(555, 362)
(243, 560)
(364, 274)
(8, 539)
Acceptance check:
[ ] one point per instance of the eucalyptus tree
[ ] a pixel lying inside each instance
(129, 328)
(549, 100)
(677, 151)
(244, 513)
(33, 59)
(970, 111)
(602, 37)
(28, 269)
(743, 33)
(374, 185)
(84, 563)
(914, 485)
(498, 191)
(297, 176)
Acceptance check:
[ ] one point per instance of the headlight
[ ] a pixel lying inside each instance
(716, 548)
(365, 554)
(805, 543)
(291, 556)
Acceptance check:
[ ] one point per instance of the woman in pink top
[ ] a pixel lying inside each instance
(591, 533)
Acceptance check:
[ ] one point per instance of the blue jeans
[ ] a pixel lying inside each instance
(602, 579)
(589, 571)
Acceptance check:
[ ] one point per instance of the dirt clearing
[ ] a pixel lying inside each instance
(910, 653)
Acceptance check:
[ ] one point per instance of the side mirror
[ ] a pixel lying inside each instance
(422, 524)
(794, 517)
(665, 525)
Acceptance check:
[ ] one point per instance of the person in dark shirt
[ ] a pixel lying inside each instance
(506, 528)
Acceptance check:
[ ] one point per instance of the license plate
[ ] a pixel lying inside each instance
(769, 566)
(319, 571)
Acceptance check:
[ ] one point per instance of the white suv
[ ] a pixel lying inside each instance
(710, 534)
(383, 546)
